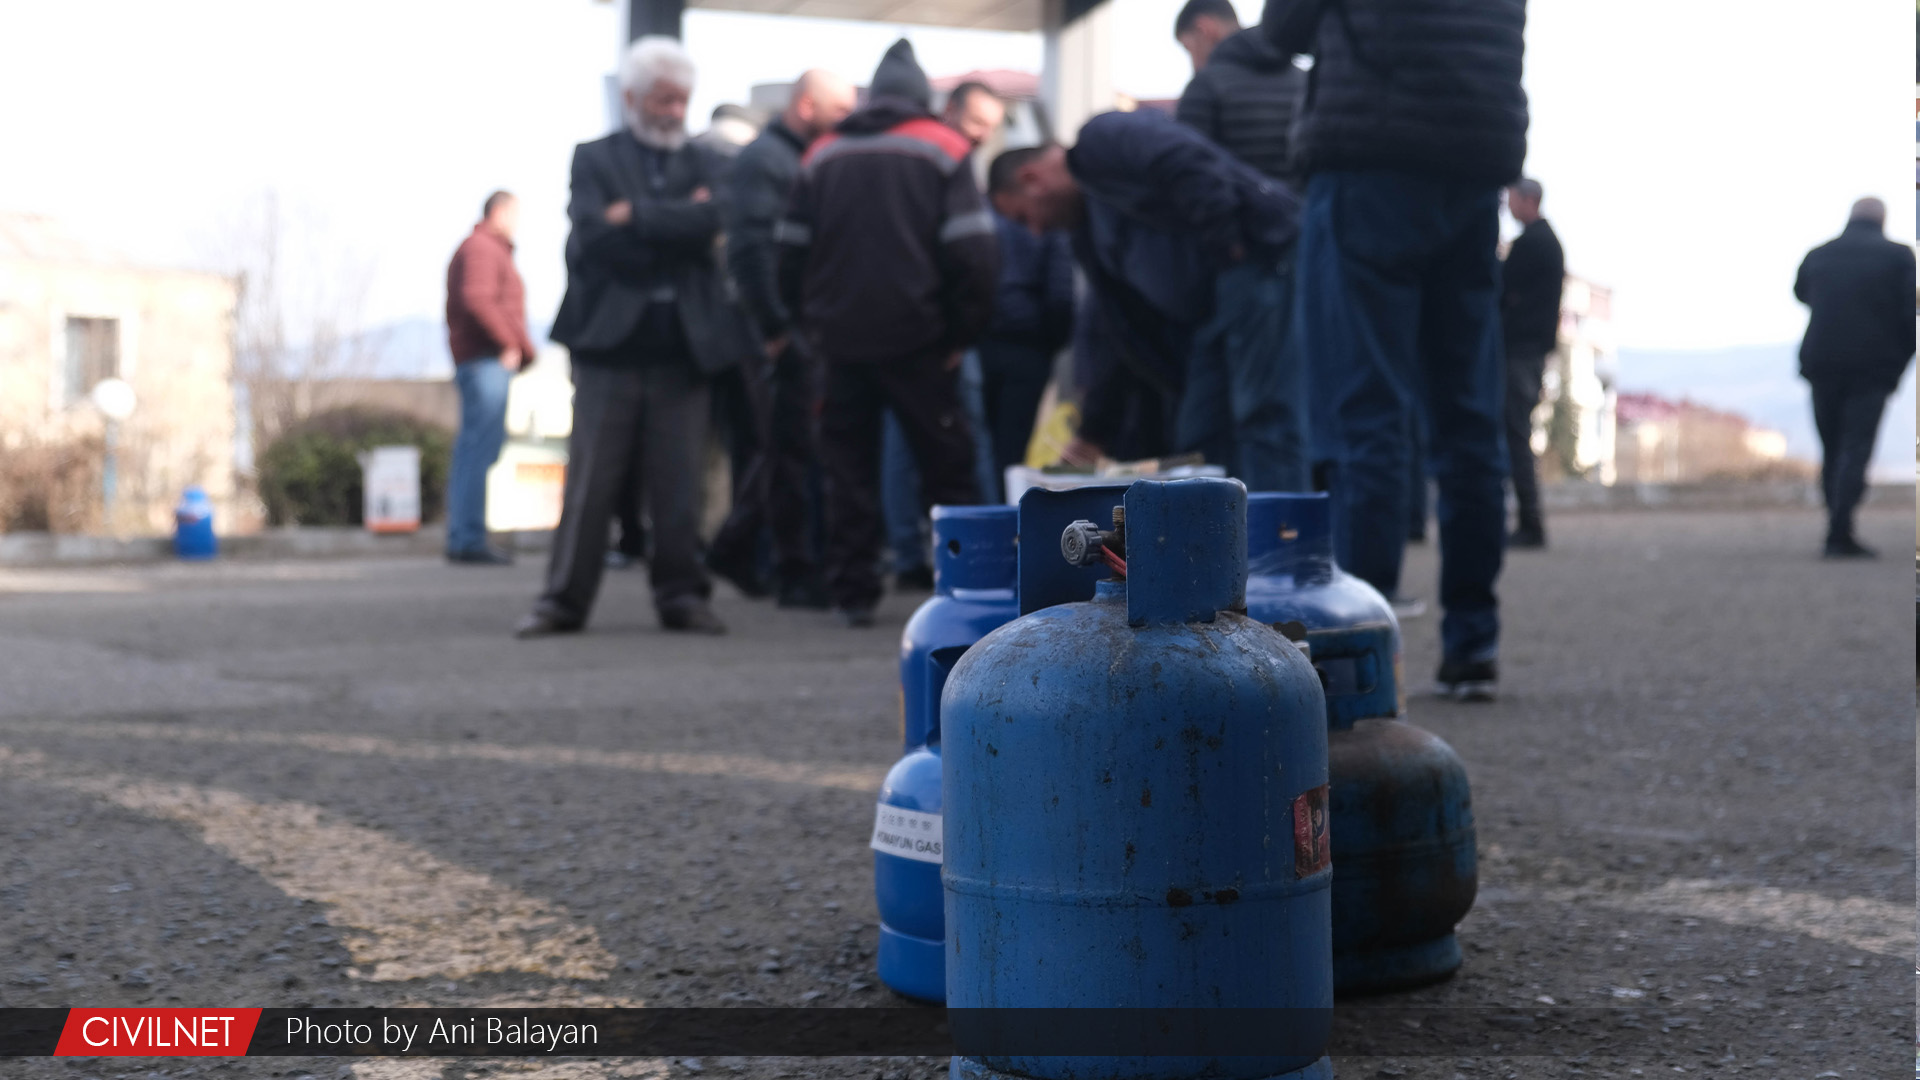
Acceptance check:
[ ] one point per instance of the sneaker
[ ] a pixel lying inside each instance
(481, 556)
(537, 625)
(692, 619)
(1527, 537)
(808, 592)
(1463, 681)
(1848, 548)
(1407, 607)
(918, 579)
(855, 617)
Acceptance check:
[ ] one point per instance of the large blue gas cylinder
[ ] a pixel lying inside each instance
(975, 560)
(193, 526)
(1404, 869)
(1135, 792)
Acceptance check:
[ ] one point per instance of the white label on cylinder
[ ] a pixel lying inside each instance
(910, 834)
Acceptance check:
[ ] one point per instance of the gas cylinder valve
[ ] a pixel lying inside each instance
(1084, 543)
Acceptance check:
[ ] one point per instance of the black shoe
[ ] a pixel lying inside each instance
(538, 625)
(1847, 547)
(480, 556)
(855, 617)
(808, 592)
(1527, 537)
(741, 576)
(918, 579)
(1462, 681)
(692, 619)
(619, 560)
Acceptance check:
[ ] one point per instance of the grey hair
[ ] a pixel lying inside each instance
(1869, 209)
(655, 58)
(1529, 188)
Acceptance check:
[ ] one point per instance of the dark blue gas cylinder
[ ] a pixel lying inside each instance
(975, 560)
(1135, 806)
(193, 526)
(1404, 867)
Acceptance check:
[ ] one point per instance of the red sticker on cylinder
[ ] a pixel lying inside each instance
(1312, 851)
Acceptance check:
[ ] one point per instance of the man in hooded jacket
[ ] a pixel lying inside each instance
(889, 258)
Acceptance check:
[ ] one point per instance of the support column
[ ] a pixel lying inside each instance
(1077, 78)
(654, 17)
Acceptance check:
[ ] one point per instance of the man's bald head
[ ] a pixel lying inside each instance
(821, 99)
(1869, 209)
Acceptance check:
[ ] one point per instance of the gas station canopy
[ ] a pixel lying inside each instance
(1016, 15)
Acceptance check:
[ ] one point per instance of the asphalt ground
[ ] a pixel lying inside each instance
(327, 783)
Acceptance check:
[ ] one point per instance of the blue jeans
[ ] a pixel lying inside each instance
(1399, 311)
(483, 430)
(1245, 396)
(900, 478)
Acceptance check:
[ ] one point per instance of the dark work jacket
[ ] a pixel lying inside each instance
(1421, 86)
(1244, 100)
(887, 249)
(1530, 284)
(1860, 289)
(763, 176)
(614, 271)
(1033, 306)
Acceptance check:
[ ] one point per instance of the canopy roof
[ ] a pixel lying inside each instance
(965, 14)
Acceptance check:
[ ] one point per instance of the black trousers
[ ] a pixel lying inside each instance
(925, 396)
(665, 408)
(774, 495)
(1013, 380)
(1846, 412)
(1526, 364)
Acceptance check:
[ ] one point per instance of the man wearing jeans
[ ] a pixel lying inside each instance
(1412, 122)
(487, 333)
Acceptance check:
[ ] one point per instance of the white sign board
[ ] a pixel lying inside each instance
(391, 478)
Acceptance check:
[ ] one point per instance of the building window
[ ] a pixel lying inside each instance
(93, 354)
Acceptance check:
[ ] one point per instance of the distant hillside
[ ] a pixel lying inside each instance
(1762, 383)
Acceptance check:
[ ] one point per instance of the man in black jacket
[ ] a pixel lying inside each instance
(1244, 90)
(773, 495)
(888, 256)
(1858, 342)
(1412, 122)
(1191, 251)
(1530, 284)
(648, 320)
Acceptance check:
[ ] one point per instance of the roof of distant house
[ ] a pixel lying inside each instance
(1631, 406)
(1004, 82)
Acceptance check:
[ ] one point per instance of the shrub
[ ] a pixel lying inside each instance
(311, 473)
(52, 487)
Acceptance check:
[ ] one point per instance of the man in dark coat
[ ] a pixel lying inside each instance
(888, 255)
(1412, 122)
(1530, 285)
(1032, 319)
(773, 495)
(648, 320)
(1191, 251)
(1859, 340)
(1244, 90)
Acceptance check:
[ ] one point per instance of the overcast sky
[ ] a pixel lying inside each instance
(1691, 150)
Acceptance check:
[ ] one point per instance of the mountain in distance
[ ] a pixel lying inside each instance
(1763, 384)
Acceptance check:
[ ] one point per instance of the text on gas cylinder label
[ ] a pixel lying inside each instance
(909, 834)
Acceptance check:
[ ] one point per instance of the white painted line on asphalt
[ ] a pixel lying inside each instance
(1873, 926)
(865, 780)
(403, 912)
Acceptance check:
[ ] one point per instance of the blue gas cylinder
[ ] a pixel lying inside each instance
(1404, 867)
(1135, 804)
(975, 559)
(193, 526)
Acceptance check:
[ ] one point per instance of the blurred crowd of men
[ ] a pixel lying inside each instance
(1296, 275)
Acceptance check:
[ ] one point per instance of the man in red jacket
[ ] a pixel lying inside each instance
(487, 332)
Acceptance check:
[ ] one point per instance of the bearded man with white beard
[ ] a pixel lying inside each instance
(648, 320)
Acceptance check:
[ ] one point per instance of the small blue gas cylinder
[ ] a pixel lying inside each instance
(975, 560)
(1135, 801)
(193, 526)
(1404, 869)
